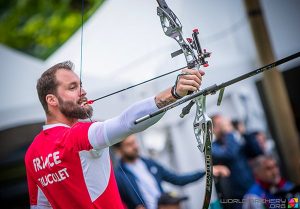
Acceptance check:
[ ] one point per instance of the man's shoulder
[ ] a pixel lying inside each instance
(32, 146)
(43, 139)
(36, 139)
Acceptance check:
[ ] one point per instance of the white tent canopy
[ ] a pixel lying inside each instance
(123, 44)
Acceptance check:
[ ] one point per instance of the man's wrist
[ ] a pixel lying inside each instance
(164, 98)
(174, 93)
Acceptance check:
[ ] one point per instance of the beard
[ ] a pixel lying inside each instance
(131, 157)
(75, 110)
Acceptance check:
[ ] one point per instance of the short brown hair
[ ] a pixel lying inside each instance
(47, 83)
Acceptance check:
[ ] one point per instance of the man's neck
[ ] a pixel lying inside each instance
(60, 119)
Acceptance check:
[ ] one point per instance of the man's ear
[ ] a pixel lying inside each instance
(51, 100)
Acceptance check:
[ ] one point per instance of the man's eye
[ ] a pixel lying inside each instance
(72, 87)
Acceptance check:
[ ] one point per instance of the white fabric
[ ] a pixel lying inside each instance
(112, 131)
(239, 138)
(146, 183)
(96, 171)
(45, 127)
(42, 201)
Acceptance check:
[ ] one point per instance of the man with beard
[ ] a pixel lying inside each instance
(146, 176)
(68, 163)
(265, 192)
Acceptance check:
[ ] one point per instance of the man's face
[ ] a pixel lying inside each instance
(269, 172)
(129, 149)
(69, 98)
(222, 126)
(217, 123)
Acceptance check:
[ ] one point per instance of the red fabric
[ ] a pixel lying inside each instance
(267, 186)
(53, 165)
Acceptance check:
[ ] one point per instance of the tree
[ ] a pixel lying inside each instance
(40, 27)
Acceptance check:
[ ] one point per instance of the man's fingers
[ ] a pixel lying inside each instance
(191, 77)
(186, 88)
(189, 80)
(189, 83)
(199, 73)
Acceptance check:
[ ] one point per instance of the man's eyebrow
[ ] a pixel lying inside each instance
(73, 83)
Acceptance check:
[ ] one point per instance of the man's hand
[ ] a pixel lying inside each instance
(189, 80)
(221, 171)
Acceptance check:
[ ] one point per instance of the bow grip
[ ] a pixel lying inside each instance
(190, 65)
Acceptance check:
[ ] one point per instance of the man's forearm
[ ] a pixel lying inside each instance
(164, 98)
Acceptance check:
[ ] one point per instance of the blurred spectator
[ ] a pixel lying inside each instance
(268, 183)
(246, 139)
(139, 179)
(239, 130)
(170, 201)
(234, 153)
(266, 145)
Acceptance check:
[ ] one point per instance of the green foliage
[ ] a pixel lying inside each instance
(39, 27)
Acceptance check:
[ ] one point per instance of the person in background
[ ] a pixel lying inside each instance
(247, 139)
(266, 145)
(268, 184)
(231, 152)
(139, 179)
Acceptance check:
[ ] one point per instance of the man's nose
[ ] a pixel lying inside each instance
(82, 92)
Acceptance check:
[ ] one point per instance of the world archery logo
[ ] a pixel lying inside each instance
(293, 203)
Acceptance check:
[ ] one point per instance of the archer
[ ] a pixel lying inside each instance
(68, 163)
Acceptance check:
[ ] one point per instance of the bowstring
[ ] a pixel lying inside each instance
(138, 84)
(212, 38)
(81, 56)
(81, 44)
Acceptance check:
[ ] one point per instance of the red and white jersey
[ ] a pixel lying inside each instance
(70, 167)
(64, 171)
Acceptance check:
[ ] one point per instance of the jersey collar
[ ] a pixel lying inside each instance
(48, 126)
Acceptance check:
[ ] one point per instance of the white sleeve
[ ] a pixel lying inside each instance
(112, 131)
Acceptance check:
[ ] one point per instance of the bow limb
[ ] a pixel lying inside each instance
(203, 130)
(195, 58)
(173, 28)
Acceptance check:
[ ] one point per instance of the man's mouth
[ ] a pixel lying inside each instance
(83, 101)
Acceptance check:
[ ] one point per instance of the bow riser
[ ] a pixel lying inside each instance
(194, 58)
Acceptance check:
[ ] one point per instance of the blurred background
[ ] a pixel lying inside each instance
(123, 44)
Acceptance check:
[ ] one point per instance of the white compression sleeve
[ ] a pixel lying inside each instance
(112, 131)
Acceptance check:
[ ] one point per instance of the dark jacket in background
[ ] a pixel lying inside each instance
(128, 186)
(227, 151)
